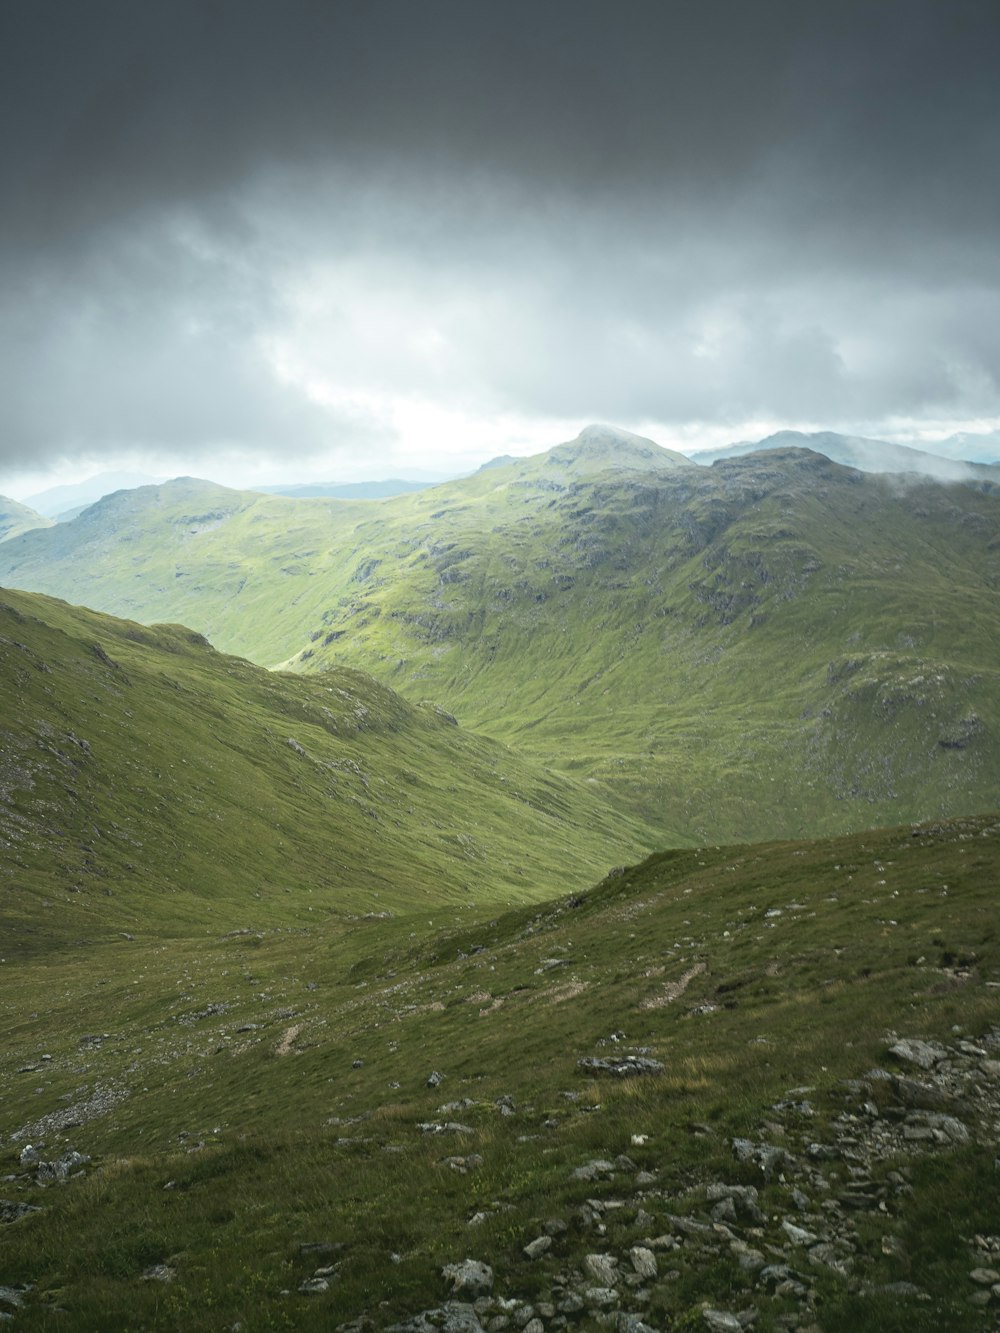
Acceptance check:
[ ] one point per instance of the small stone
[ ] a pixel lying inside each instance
(313, 1285)
(600, 1298)
(765, 1155)
(159, 1273)
(603, 1268)
(594, 1169)
(625, 1066)
(537, 1247)
(534, 1326)
(721, 1321)
(631, 1323)
(435, 1080)
(643, 1261)
(749, 1259)
(827, 1255)
(898, 1289)
(772, 1275)
(470, 1278)
(985, 1277)
(918, 1134)
(798, 1235)
(924, 1054)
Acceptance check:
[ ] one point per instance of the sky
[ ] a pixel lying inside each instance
(343, 239)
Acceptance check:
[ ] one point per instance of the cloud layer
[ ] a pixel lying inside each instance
(287, 230)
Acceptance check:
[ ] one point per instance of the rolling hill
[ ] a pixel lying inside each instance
(773, 646)
(16, 518)
(148, 782)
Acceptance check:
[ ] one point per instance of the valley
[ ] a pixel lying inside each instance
(776, 646)
(621, 952)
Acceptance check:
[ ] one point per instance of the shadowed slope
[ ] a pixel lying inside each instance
(150, 784)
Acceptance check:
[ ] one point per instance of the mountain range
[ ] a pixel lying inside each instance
(867, 455)
(505, 937)
(772, 646)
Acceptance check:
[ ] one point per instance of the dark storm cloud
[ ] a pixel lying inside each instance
(667, 211)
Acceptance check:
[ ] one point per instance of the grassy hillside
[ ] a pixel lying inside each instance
(772, 646)
(148, 782)
(16, 518)
(813, 1145)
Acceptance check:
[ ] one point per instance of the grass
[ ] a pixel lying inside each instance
(245, 914)
(774, 646)
(314, 1147)
(148, 779)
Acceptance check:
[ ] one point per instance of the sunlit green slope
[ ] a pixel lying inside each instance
(149, 783)
(773, 645)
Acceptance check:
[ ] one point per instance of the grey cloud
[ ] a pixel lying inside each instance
(704, 209)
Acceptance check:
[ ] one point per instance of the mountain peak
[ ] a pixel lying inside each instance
(611, 446)
(600, 433)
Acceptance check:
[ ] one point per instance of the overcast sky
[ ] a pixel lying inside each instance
(356, 238)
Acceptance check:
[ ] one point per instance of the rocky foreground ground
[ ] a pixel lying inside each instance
(823, 1205)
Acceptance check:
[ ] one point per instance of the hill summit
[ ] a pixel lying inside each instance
(597, 448)
(610, 446)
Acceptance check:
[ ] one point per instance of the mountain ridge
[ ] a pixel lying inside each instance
(596, 622)
(16, 518)
(868, 455)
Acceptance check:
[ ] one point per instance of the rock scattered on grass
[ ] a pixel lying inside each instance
(470, 1278)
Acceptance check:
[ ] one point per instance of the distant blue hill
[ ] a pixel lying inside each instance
(864, 454)
(57, 500)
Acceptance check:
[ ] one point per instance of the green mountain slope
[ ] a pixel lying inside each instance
(260, 1141)
(148, 782)
(16, 518)
(775, 645)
